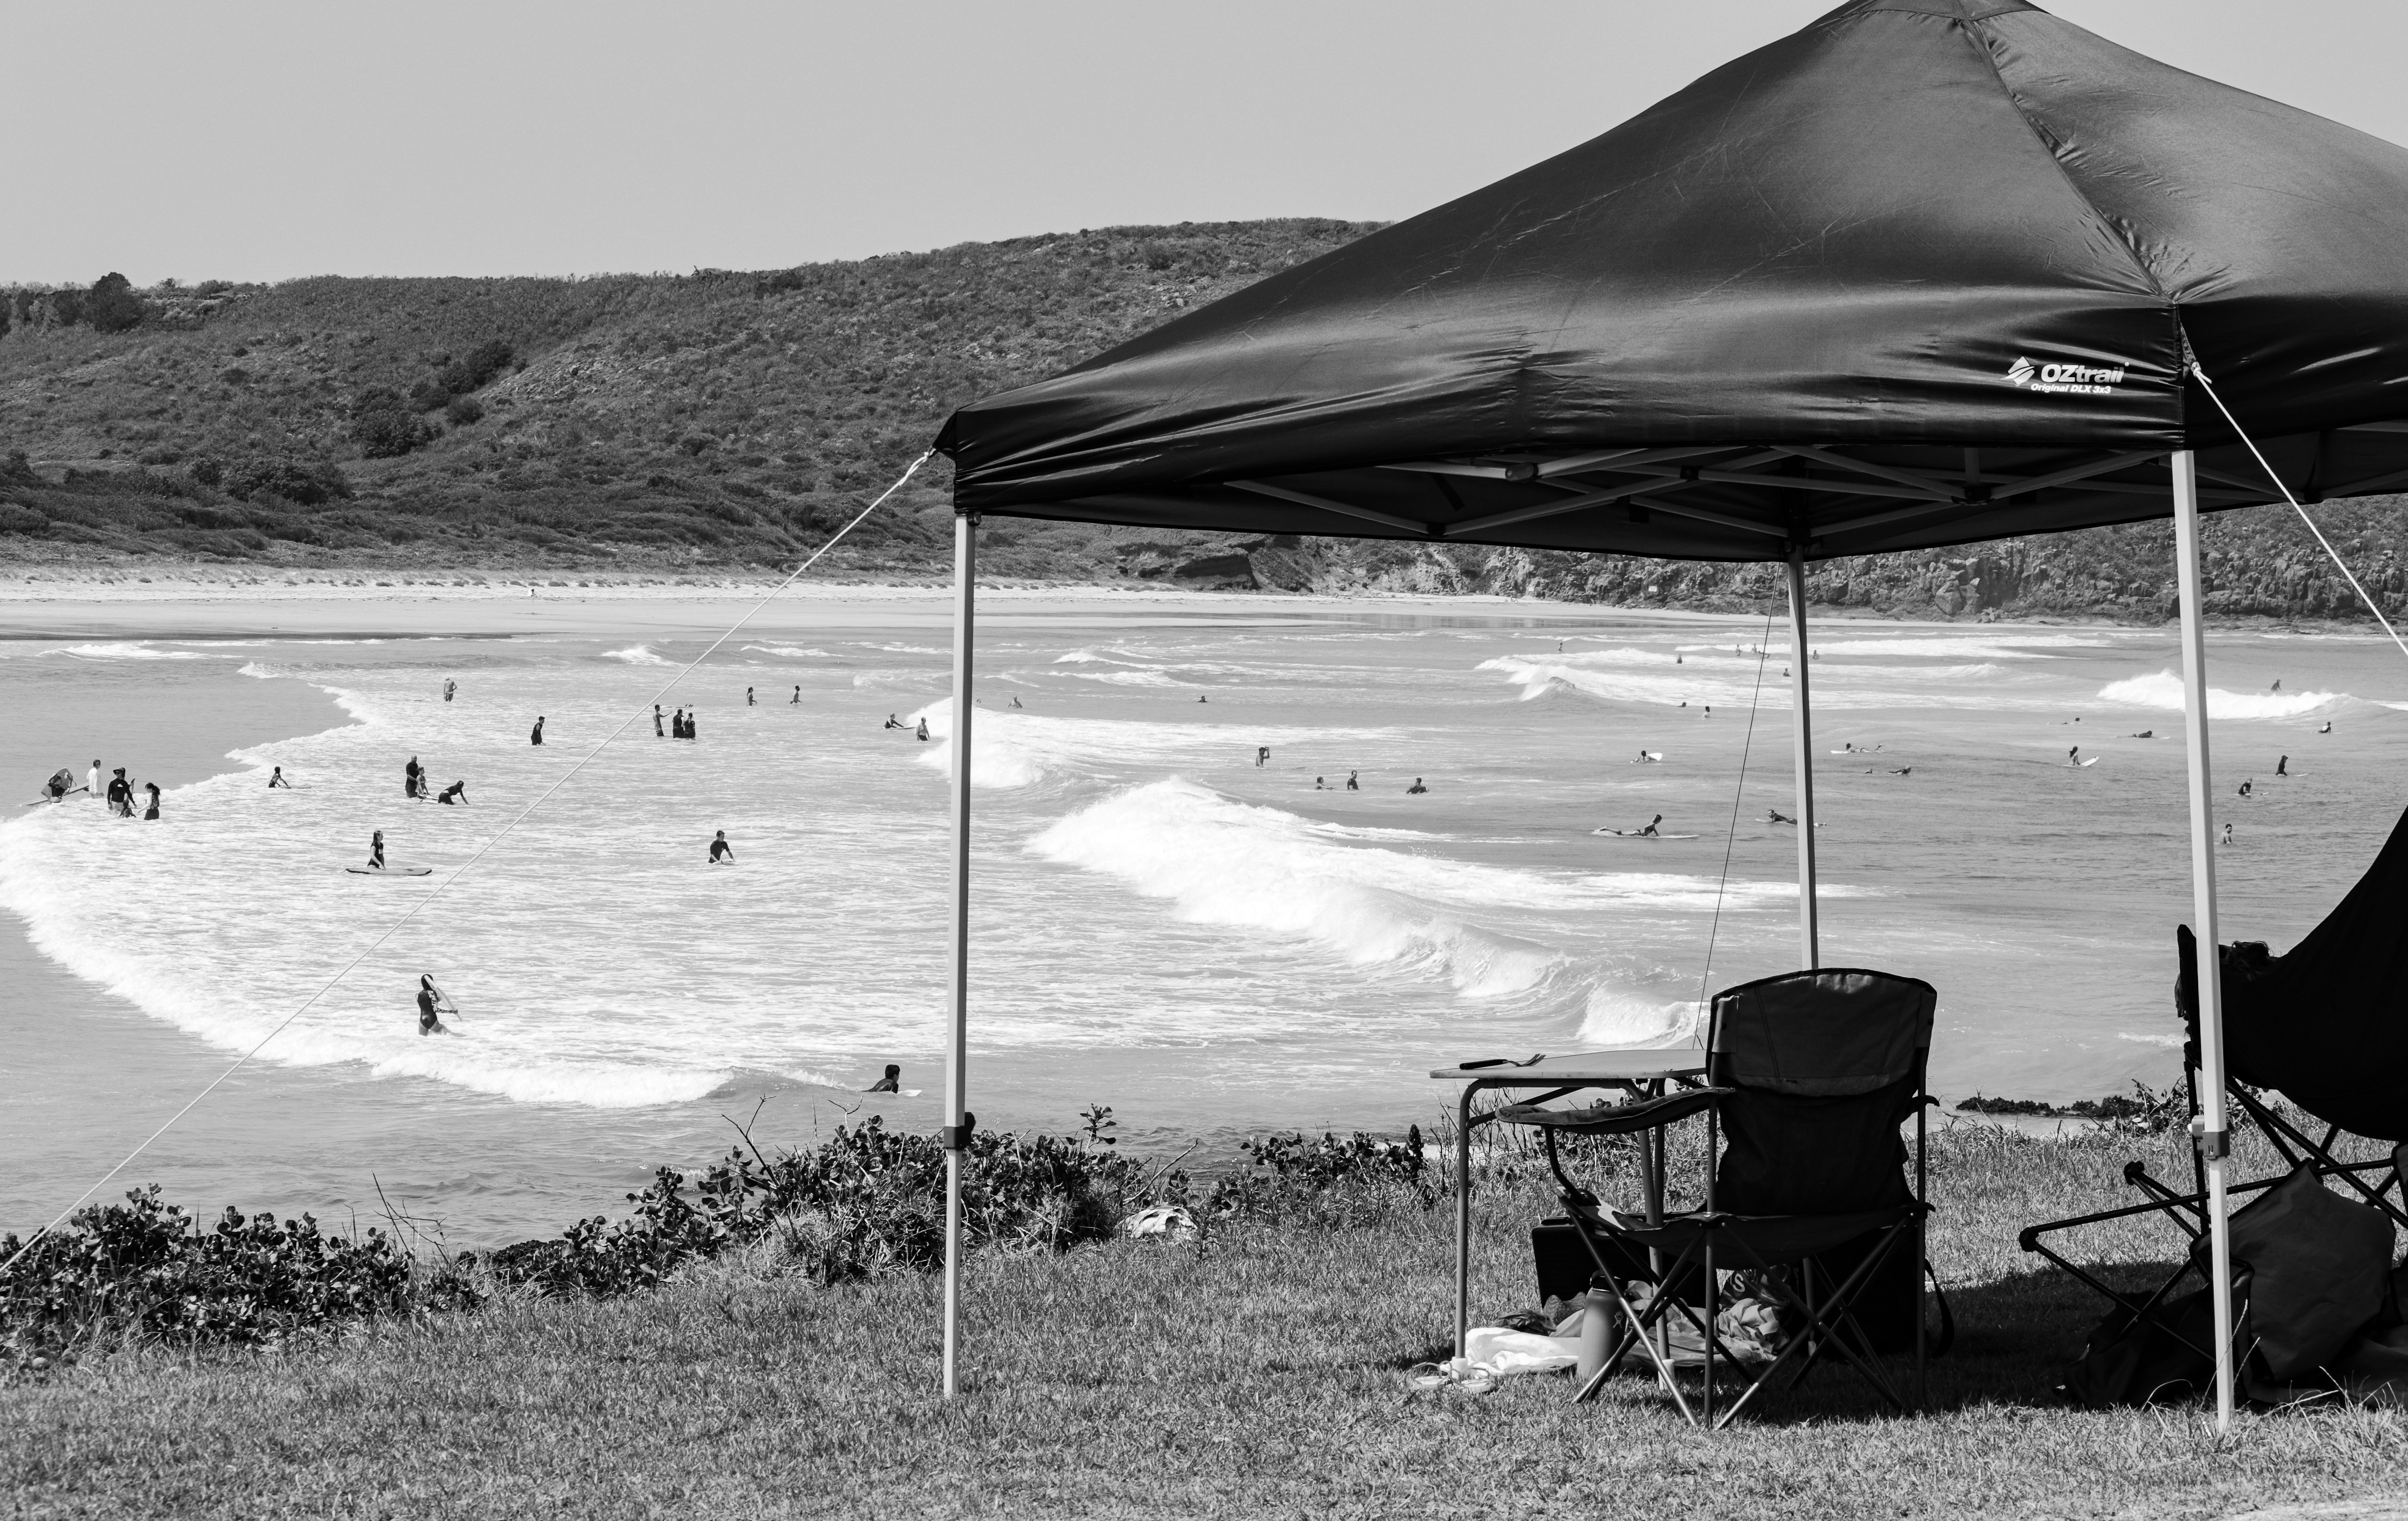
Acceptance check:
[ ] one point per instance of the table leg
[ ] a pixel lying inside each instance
(1651, 1178)
(1462, 1217)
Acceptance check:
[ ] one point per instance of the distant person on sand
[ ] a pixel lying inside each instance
(535, 735)
(276, 778)
(376, 851)
(923, 729)
(456, 792)
(658, 732)
(1416, 788)
(413, 779)
(720, 850)
(2283, 767)
(153, 811)
(448, 687)
(891, 1082)
(431, 1003)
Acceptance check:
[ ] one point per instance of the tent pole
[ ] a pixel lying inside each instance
(2212, 1144)
(1809, 939)
(957, 1010)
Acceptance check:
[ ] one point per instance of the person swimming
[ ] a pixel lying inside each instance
(535, 736)
(891, 1082)
(1416, 788)
(1200, 696)
(152, 812)
(456, 792)
(1320, 786)
(431, 1005)
(2283, 766)
(1774, 815)
(2247, 786)
(276, 778)
(376, 851)
(2326, 730)
(720, 850)
(923, 729)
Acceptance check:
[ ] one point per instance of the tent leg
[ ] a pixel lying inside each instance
(2211, 1141)
(1809, 937)
(958, 993)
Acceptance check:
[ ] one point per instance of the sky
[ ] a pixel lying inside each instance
(259, 140)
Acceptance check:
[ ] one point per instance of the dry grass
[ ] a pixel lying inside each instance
(1260, 1374)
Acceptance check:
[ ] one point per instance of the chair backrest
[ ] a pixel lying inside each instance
(1824, 1064)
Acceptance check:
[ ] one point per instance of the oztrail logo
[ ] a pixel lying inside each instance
(2064, 379)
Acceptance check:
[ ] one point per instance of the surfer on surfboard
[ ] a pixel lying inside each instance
(276, 778)
(431, 1005)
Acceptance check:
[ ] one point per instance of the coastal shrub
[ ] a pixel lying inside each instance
(464, 411)
(145, 1269)
(472, 370)
(111, 305)
(304, 483)
(1292, 1176)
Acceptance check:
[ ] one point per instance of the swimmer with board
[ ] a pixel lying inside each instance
(432, 1005)
(375, 866)
(1651, 830)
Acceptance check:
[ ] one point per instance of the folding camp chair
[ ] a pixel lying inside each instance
(2302, 1024)
(1810, 1075)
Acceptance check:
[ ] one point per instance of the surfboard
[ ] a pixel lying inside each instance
(1649, 758)
(391, 871)
(1640, 834)
(2092, 761)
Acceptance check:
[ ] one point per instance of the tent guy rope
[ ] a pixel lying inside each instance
(1739, 793)
(463, 870)
(2279, 484)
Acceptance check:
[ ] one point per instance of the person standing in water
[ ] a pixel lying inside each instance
(376, 851)
(1416, 788)
(275, 779)
(658, 732)
(431, 1005)
(2073, 756)
(152, 812)
(2228, 834)
(448, 687)
(691, 715)
(720, 850)
(120, 794)
(92, 778)
(1262, 756)
(891, 1082)
(535, 736)
(1317, 784)
(797, 701)
(1352, 782)
(413, 779)
(2247, 785)
(748, 697)
(923, 729)
(2283, 767)
(56, 789)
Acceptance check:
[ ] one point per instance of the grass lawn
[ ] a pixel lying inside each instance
(1261, 1373)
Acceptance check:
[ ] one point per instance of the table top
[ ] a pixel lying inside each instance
(1621, 1064)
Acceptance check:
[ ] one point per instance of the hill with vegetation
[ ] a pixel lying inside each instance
(721, 421)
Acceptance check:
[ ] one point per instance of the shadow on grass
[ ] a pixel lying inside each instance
(2015, 1339)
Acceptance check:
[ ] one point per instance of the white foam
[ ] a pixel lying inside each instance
(125, 651)
(2163, 692)
(792, 652)
(636, 655)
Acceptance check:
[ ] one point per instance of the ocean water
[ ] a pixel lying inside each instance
(1168, 921)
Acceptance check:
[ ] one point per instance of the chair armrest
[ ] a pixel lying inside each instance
(1605, 1117)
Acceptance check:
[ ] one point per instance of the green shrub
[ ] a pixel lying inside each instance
(473, 369)
(302, 482)
(111, 305)
(464, 411)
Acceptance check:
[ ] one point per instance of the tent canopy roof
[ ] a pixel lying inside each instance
(1921, 272)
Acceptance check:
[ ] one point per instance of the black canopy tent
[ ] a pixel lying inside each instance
(1926, 272)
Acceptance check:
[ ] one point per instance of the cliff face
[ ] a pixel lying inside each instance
(723, 420)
